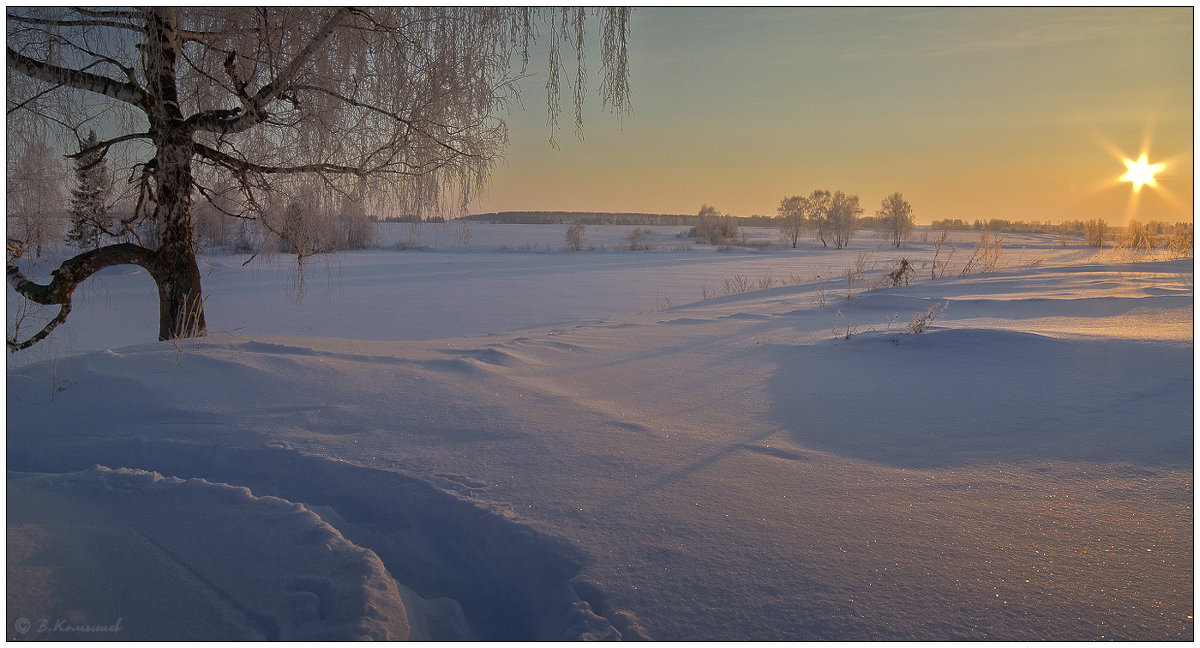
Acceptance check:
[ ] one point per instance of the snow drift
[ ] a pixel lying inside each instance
(730, 469)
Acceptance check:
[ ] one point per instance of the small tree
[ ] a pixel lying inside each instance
(842, 218)
(897, 217)
(792, 212)
(89, 198)
(575, 237)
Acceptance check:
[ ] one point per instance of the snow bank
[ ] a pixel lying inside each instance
(722, 470)
(131, 555)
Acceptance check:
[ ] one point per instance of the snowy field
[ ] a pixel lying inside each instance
(482, 436)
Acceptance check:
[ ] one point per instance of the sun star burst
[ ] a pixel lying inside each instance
(1141, 172)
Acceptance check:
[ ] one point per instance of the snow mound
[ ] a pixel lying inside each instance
(1025, 393)
(132, 555)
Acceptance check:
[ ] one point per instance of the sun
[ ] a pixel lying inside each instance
(1141, 172)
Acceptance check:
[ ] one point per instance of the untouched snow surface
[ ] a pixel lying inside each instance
(734, 468)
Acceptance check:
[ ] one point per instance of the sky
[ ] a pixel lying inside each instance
(971, 113)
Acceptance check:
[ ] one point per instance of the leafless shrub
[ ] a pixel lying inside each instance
(936, 271)
(863, 263)
(901, 275)
(822, 295)
(637, 239)
(1180, 245)
(737, 285)
(842, 327)
(766, 282)
(1136, 237)
(920, 322)
(985, 255)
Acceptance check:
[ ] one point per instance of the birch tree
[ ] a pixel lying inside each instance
(232, 104)
(842, 218)
(817, 208)
(896, 214)
(793, 221)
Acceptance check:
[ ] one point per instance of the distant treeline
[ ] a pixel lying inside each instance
(1076, 227)
(411, 218)
(607, 218)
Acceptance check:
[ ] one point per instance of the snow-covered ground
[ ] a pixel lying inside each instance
(493, 438)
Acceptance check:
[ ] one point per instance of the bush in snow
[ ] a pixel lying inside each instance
(574, 237)
(900, 276)
(713, 228)
(1181, 243)
(637, 239)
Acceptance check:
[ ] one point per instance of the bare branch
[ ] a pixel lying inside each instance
(16, 345)
(107, 144)
(130, 14)
(50, 73)
(67, 277)
(242, 166)
(89, 22)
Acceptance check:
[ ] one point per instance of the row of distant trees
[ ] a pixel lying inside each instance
(834, 217)
(1096, 231)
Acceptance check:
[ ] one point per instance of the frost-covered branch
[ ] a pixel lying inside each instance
(255, 111)
(50, 73)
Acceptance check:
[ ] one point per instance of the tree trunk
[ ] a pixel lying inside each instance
(180, 298)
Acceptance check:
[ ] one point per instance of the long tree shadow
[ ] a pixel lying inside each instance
(956, 397)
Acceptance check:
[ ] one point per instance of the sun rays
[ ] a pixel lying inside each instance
(1141, 172)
